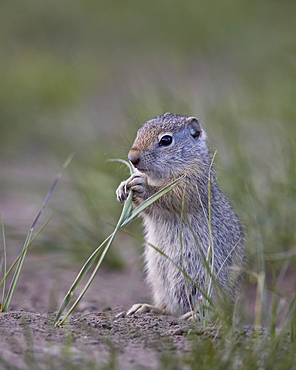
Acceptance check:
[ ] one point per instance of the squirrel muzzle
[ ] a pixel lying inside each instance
(134, 156)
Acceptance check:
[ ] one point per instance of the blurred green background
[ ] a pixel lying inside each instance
(82, 76)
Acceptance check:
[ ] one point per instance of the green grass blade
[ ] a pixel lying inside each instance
(41, 229)
(259, 302)
(24, 251)
(112, 236)
(228, 256)
(293, 320)
(17, 271)
(184, 273)
(211, 242)
(166, 256)
(51, 189)
(202, 254)
(4, 261)
(151, 199)
(127, 163)
(87, 265)
(124, 214)
(20, 259)
(206, 263)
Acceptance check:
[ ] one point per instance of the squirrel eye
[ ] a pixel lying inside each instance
(166, 140)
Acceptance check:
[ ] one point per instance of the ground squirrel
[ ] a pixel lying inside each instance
(166, 148)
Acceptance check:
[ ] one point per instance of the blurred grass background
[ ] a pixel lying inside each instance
(82, 76)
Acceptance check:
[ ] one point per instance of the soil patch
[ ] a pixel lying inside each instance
(99, 335)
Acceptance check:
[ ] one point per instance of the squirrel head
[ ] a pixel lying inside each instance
(169, 146)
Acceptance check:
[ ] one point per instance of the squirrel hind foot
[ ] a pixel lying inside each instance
(190, 315)
(145, 308)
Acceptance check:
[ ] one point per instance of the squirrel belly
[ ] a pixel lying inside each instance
(171, 289)
(188, 230)
(187, 246)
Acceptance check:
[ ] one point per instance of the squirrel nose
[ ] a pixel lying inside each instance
(134, 156)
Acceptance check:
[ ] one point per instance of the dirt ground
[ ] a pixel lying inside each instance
(99, 335)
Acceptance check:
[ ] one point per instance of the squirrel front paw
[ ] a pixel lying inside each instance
(137, 184)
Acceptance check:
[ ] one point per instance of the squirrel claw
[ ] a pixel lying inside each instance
(144, 308)
(191, 315)
(136, 183)
(122, 192)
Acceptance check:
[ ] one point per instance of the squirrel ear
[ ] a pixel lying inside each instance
(195, 127)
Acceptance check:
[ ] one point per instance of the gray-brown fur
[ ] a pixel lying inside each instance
(157, 165)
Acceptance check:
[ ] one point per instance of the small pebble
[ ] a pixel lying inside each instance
(120, 315)
(95, 341)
